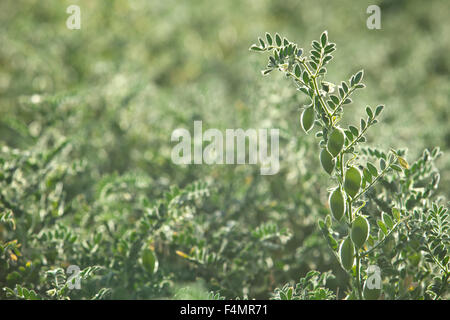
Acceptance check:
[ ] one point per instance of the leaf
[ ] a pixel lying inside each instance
(373, 170)
(316, 45)
(297, 71)
(261, 41)
(382, 164)
(382, 226)
(359, 76)
(363, 124)
(403, 162)
(256, 48)
(396, 213)
(387, 220)
(149, 261)
(305, 77)
(278, 39)
(369, 112)
(344, 87)
(334, 99)
(367, 175)
(396, 167)
(378, 110)
(324, 39)
(269, 38)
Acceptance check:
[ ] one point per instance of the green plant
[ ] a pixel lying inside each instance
(363, 193)
(310, 287)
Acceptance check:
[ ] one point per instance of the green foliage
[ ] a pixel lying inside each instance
(86, 176)
(361, 192)
(311, 287)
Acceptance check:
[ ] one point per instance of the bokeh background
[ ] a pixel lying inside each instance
(137, 70)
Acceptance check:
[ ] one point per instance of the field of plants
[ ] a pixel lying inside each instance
(93, 205)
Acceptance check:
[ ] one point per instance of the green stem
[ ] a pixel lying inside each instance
(358, 275)
(316, 87)
(394, 228)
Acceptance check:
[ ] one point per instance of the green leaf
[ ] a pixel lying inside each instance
(256, 48)
(378, 110)
(382, 226)
(149, 261)
(278, 39)
(387, 220)
(261, 41)
(369, 112)
(334, 99)
(382, 164)
(367, 175)
(373, 170)
(305, 77)
(298, 71)
(354, 130)
(269, 38)
(359, 76)
(363, 124)
(324, 39)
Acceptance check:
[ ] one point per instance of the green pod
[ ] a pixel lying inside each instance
(307, 119)
(149, 261)
(336, 142)
(347, 253)
(337, 204)
(327, 161)
(360, 231)
(352, 181)
(370, 294)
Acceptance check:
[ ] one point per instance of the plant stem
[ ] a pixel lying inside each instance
(358, 275)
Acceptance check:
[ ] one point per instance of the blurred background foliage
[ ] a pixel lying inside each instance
(114, 91)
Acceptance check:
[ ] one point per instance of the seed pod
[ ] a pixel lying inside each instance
(149, 261)
(327, 161)
(352, 181)
(336, 142)
(370, 294)
(347, 253)
(360, 231)
(307, 119)
(337, 203)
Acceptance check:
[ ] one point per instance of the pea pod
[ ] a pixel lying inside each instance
(307, 119)
(327, 161)
(336, 142)
(352, 181)
(337, 204)
(347, 253)
(360, 231)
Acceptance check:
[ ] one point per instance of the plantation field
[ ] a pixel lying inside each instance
(87, 177)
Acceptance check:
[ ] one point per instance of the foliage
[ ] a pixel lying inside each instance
(404, 192)
(86, 176)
